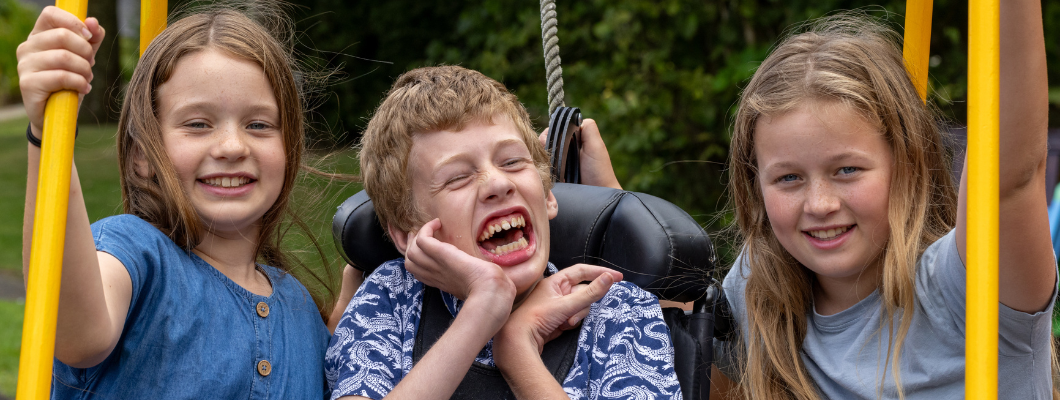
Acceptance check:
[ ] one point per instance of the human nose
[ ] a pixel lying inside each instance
(496, 185)
(231, 144)
(821, 199)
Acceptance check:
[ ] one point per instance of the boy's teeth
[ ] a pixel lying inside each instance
(515, 222)
(510, 247)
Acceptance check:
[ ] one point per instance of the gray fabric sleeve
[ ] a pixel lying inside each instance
(727, 353)
(941, 280)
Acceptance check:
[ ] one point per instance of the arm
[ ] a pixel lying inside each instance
(95, 289)
(488, 295)
(441, 370)
(352, 278)
(1026, 267)
(556, 304)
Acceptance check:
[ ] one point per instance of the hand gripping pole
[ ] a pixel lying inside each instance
(564, 145)
(49, 237)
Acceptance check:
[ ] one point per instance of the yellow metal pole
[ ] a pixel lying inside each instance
(983, 160)
(917, 43)
(152, 21)
(49, 236)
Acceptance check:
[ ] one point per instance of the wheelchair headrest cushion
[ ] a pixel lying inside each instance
(655, 244)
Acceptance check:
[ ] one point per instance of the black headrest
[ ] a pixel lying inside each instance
(655, 244)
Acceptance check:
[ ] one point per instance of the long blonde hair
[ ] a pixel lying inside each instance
(853, 60)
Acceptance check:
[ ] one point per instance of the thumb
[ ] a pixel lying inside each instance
(588, 295)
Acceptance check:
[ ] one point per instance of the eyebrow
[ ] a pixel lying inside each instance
(846, 155)
(196, 105)
(456, 157)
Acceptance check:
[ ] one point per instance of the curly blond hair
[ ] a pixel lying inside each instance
(425, 100)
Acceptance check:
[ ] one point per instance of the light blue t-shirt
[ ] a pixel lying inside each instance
(192, 333)
(844, 352)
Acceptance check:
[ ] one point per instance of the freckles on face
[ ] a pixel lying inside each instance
(824, 172)
(221, 130)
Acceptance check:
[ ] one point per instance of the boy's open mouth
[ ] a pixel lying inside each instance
(504, 238)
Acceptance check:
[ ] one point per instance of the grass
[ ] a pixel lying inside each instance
(315, 200)
(97, 166)
(10, 341)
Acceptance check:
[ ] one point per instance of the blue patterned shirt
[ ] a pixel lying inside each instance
(624, 349)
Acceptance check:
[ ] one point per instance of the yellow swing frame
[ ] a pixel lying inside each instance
(60, 120)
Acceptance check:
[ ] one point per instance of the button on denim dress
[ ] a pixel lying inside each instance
(192, 333)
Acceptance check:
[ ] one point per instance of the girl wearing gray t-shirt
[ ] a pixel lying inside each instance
(851, 279)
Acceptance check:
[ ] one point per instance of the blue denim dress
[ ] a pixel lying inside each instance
(193, 333)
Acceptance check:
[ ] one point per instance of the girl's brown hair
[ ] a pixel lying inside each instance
(158, 197)
(854, 60)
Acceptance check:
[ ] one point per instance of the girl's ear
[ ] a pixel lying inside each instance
(551, 205)
(140, 164)
(400, 238)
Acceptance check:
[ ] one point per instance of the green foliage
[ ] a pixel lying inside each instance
(97, 158)
(16, 21)
(660, 77)
(10, 343)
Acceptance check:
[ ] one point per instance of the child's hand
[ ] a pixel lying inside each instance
(558, 303)
(58, 54)
(596, 169)
(442, 265)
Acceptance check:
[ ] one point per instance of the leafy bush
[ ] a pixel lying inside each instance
(661, 77)
(16, 21)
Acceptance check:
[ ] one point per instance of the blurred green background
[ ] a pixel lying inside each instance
(661, 77)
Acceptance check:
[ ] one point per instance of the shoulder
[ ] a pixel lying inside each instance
(942, 253)
(625, 305)
(391, 277)
(123, 236)
(124, 222)
(390, 289)
(735, 285)
(629, 293)
(373, 341)
(139, 246)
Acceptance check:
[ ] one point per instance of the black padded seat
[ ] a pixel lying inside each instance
(654, 243)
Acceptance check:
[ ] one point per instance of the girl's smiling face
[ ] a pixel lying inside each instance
(221, 129)
(481, 182)
(825, 175)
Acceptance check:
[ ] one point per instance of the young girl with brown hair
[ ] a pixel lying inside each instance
(187, 295)
(851, 279)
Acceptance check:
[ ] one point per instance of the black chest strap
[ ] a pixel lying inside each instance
(483, 381)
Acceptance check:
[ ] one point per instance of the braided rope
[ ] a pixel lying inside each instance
(550, 43)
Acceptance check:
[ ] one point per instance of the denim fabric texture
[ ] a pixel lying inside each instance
(192, 333)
